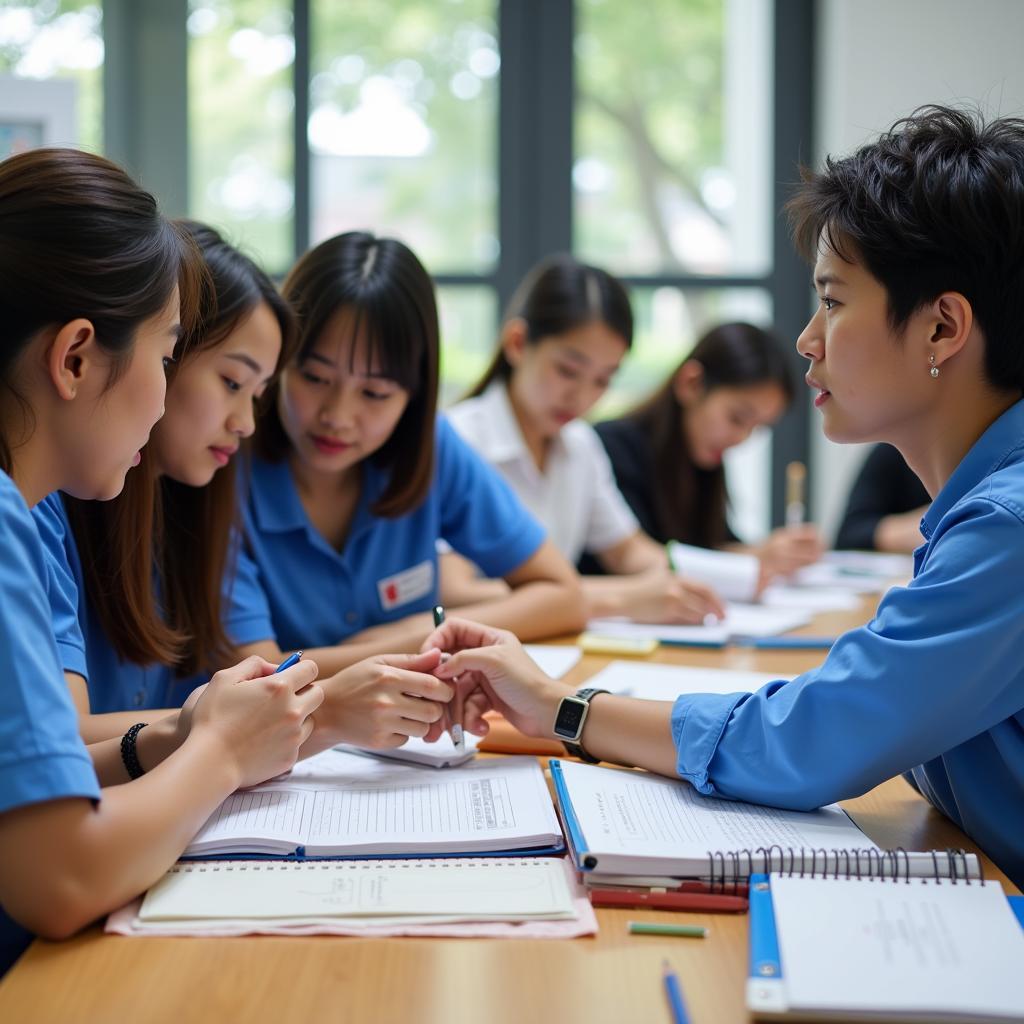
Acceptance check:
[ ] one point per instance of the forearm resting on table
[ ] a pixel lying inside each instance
(65, 862)
(636, 733)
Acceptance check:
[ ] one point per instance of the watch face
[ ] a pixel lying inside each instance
(570, 718)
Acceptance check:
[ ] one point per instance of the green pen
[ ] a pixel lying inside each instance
(689, 931)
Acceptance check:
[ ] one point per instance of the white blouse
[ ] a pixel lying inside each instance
(575, 497)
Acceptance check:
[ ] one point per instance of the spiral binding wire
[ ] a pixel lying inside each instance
(730, 867)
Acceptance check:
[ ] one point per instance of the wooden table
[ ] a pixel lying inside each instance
(613, 977)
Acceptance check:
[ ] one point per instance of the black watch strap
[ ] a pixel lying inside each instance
(577, 749)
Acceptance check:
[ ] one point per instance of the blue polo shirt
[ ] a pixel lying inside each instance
(933, 686)
(42, 757)
(114, 684)
(292, 586)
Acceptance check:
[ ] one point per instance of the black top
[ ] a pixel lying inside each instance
(631, 454)
(885, 486)
(632, 457)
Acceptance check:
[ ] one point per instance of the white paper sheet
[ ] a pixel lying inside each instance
(666, 682)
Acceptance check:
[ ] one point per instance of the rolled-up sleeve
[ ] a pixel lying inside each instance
(939, 664)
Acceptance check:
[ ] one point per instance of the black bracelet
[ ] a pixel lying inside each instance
(129, 755)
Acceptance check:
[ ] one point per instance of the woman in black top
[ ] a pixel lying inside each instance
(885, 505)
(667, 453)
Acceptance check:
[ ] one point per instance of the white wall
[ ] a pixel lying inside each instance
(877, 61)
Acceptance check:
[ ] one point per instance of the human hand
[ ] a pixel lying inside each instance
(184, 720)
(381, 701)
(491, 670)
(901, 532)
(659, 595)
(789, 548)
(260, 717)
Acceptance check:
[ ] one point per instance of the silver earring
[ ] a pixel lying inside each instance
(934, 371)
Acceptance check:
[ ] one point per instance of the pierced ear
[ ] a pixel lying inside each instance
(514, 340)
(688, 383)
(72, 357)
(952, 322)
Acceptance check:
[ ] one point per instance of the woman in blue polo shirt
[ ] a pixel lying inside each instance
(356, 480)
(91, 283)
(916, 342)
(141, 575)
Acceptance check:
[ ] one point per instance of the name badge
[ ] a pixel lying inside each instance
(406, 586)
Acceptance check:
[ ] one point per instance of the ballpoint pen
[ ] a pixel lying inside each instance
(289, 661)
(455, 727)
(674, 993)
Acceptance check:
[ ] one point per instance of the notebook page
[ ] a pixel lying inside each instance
(488, 804)
(340, 803)
(512, 889)
(267, 820)
(666, 682)
(626, 814)
(862, 945)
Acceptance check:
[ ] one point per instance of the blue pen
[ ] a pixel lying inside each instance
(674, 992)
(288, 662)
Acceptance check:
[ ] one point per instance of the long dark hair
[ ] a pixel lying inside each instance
(189, 546)
(78, 238)
(557, 295)
(689, 502)
(391, 295)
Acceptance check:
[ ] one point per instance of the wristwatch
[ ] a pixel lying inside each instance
(570, 719)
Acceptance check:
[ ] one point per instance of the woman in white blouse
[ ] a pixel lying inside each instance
(568, 329)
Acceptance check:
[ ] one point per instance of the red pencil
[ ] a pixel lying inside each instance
(669, 901)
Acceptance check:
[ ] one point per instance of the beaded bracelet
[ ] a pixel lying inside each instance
(129, 755)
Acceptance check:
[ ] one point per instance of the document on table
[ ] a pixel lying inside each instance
(554, 659)
(741, 620)
(378, 891)
(666, 682)
(340, 804)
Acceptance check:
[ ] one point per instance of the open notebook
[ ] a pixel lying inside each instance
(848, 948)
(622, 822)
(373, 892)
(345, 805)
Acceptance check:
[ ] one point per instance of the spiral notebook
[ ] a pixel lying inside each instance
(636, 824)
(375, 892)
(884, 946)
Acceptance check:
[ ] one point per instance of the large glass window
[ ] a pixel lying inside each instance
(403, 126)
(52, 39)
(240, 123)
(672, 167)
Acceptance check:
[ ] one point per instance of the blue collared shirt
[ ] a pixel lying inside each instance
(933, 686)
(114, 684)
(292, 586)
(42, 756)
